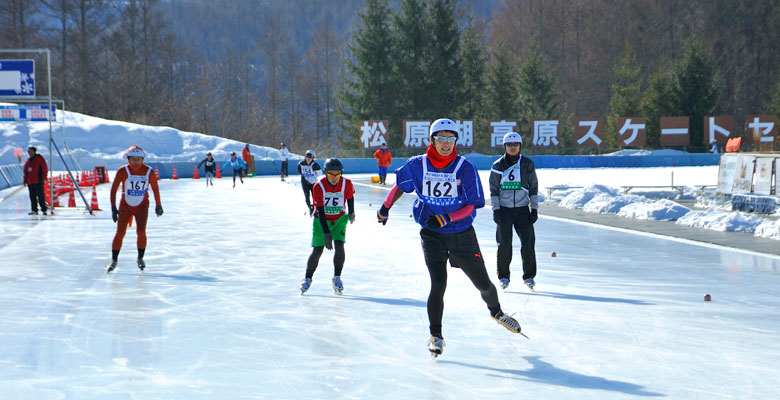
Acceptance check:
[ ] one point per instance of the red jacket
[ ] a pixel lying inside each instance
(35, 170)
(383, 159)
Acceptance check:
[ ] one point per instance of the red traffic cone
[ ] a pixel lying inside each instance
(219, 175)
(196, 174)
(71, 200)
(47, 192)
(174, 173)
(56, 200)
(157, 172)
(94, 205)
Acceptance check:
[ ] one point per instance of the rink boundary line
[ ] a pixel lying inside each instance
(635, 232)
(660, 236)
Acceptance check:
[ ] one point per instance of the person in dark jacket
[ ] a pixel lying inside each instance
(308, 169)
(211, 168)
(35, 171)
(514, 198)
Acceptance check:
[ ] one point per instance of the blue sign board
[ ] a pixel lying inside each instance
(32, 112)
(17, 78)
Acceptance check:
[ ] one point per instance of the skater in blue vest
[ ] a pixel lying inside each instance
(449, 193)
(237, 165)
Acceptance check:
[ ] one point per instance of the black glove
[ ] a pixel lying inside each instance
(311, 210)
(351, 217)
(534, 216)
(158, 210)
(114, 213)
(438, 221)
(382, 215)
(329, 241)
(496, 215)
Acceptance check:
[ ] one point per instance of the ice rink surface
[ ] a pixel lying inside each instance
(218, 315)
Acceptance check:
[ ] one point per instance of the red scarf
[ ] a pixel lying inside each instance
(439, 161)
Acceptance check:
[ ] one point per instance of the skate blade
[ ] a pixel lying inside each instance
(434, 354)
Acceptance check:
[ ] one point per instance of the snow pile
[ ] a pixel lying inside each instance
(662, 210)
(579, 197)
(98, 141)
(722, 221)
(604, 203)
(769, 229)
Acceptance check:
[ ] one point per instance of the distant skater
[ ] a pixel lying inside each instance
(237, 165)
(383, 161)
(136, 178)
(211, 168)
(329, 228)
(449, 193)
(514, 192)
(308, 168)
(285, 153)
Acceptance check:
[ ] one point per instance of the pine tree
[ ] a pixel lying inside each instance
(626, 96)
(658, 102)
(695, 88)
(502, 89)
(537, 93)
(443, 64)
(371, 90)
(474, 58)
(775, 109)
(412, 41)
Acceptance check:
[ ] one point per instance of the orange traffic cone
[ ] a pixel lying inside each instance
(94, 205)
(71, 200)
(56, 200)
(218, 174)
(196, 174)
(47, 192)
(157, 172)
(174, 173)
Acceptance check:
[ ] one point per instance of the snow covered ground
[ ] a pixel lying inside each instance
(217, 314)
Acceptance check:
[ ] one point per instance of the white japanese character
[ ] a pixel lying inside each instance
(465, 133)
(634, 130)
(499, 129)
(714, 128)
(372, 135)
(417, 134)
(765, 127)
(545, 132)
(591, 134)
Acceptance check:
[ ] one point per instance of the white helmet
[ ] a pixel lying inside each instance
(134, 151)
(443, 124)
(513, 137)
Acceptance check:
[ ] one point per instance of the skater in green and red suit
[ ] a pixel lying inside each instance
(331, 194)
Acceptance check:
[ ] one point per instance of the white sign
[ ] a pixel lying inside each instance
(743, 178)
(545, 133)
(465, 133)
(764, 175)
(728, 165)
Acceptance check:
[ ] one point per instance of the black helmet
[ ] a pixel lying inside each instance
(310, 153)
(333, 164)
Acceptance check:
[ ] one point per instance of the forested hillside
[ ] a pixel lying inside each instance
(289, 70)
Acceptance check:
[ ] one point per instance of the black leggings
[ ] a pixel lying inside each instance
(462, 249)
(307, 191)
(520, 219)
(338, 259)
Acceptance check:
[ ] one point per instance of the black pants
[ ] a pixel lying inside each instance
(284, 169)
(338, 259)
(37, 197)
(462, 249)
(307, 191)
(239, 173)
(519, 218)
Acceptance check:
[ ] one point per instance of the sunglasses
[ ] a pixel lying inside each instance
(331, 175)
(513, 144)
(445, 139)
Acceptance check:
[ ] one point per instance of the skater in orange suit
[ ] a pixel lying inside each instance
(136, 179)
